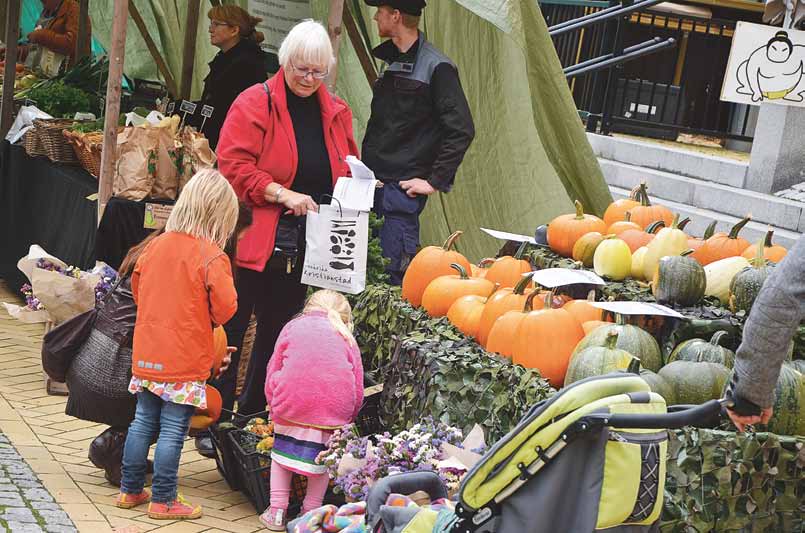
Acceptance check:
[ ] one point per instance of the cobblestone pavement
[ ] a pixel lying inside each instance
(25, 505)
(54, 448)
(796, 192)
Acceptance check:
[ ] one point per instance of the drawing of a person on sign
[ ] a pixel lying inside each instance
(774, 71)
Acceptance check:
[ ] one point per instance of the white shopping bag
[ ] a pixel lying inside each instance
(337, 242)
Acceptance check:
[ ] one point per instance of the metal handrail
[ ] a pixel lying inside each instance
(601, 16)
(633, 52)
(604, 57)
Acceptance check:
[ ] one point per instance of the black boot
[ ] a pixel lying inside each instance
(204, 445)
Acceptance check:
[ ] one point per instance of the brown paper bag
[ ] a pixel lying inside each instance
(136, 163)
(63, 296)
(167, 164)
(196, 154)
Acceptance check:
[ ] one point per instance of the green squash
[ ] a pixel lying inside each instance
(659, 385)
(598, 360)
(701, 351)
(679, 280)
(631, 339)
(746, 284)
(789, 403)
(695, 383)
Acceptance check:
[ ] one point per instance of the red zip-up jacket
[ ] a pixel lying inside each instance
(258, 147)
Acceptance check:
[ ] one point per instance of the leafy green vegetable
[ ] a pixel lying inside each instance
(60, 100)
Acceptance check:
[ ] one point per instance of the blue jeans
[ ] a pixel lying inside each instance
(172, 422)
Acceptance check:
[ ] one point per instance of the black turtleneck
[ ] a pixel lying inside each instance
(314, 176)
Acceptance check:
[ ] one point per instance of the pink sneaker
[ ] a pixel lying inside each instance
(178, 509)
(274, 519)
(129, 501)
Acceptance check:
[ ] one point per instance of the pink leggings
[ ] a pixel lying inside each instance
(281, 488)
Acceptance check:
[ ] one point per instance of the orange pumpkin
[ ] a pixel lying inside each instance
(618, 210)
(565, 230)
(616, 228)
(465, 313)
(636, 239)
(695, 243)
(480, 270)
(771, 252)
(583, 312)
(444, 290)
(509, 270)
(646, 214)
(204, 418)
(592, 325)
(430, 263)
(219, 346)
(724, 245)
(502, 301)
(545, 340)
(503, 332)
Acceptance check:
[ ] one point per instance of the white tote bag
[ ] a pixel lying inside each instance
(337, 242)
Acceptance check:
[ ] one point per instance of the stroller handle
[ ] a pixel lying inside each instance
(682, 416)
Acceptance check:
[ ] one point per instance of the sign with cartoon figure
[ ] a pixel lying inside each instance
(766, 64)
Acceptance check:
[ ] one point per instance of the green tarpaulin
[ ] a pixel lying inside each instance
(530, 157)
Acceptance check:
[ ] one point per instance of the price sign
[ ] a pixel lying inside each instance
(156, 215)
(206, 111)
(560, 277)
(636, 308)
(170, 108)
(187, 107)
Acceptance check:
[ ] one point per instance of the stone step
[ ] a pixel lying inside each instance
(701, 218)
(683, 162)
(764, 208)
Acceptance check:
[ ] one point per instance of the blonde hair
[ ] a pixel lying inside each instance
(239, 17)
(206, 209)
(307, 43)
(338, 311)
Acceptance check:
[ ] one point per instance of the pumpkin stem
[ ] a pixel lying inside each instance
(483, 263)
(451, 240)
(644, 201)
(767, 241)
(711, 229)
(686, 253)
(739, 226)
(675, 222)
(612, 339)
(494, 290)
(628, 216)
(715, 340)
(519, 253)
(462, 272)
(634, 194)
(591, 295)
(655, 226)
(579, 210)
(529, 301)
(682, 223)
(523, 283)
(634, 366)
(619, 319)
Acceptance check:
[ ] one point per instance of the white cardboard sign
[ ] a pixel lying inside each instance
(505, 236)
(766, 64)
(636, 308)
(559, 277)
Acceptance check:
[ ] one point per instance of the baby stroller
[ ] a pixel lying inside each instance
(590, 458)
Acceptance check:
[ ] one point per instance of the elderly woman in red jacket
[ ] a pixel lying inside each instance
(283, 146)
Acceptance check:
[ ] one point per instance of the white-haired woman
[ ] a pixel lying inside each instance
(282, 147)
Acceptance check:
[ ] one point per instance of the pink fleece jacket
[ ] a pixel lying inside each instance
(315, 376)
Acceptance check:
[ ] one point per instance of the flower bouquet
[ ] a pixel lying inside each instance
(57, 291)
(354, 463)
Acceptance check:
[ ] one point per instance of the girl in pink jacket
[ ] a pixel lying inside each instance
(314, 385)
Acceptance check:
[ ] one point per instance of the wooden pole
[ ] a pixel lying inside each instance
(355, 37)
(117, 54)
(84, 34)
(334, 28)
(12, 36)
(152, 47)
(189, 54)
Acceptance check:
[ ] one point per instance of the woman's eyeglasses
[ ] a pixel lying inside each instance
(304, 72)
(216, 24)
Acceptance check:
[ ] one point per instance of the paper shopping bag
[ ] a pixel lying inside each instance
(336, 246)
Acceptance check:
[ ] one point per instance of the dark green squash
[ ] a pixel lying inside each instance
(788, 417)
(702, 351)
(679, 280)
(598, 360)
(541, 235)
(659, 385)
(746, 284)
(695, 383)
(631, 339)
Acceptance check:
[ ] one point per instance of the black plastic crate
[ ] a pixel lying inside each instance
(368, 420)
(224, 456)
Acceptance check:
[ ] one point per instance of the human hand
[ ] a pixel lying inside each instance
(417, 186)
(226, 361)
(742, 421)
(296, 203)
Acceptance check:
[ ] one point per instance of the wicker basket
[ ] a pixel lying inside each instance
(33, 146)
(52, 141)
(88, 148)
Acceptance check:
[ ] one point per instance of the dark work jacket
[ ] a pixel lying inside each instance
(420, 125)
(231, 73)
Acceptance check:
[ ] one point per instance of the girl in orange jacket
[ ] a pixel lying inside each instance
(182, 284)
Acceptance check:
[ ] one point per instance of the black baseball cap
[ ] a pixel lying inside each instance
(411, 7)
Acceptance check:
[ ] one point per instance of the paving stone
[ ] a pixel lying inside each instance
(23, 527)
(39, 495)
(60, 529)
(56, 518)
(44, 506)
(18, 514)
(12, 502)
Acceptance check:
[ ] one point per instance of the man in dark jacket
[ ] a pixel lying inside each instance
(776, 314)
(419, 129)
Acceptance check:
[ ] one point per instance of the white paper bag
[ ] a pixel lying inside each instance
(337, 242)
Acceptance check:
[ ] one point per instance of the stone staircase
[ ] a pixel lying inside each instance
(699, 186)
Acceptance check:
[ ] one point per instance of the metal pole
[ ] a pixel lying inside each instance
(113, 91)
(12, 36)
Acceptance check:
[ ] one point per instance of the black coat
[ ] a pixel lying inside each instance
(231, 73)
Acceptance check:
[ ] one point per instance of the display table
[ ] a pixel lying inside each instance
(121, 228)
(47, 204)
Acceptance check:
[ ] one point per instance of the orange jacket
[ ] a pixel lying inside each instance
(182, 287)
(61, 35)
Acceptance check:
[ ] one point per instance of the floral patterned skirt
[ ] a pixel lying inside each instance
(186, 393)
